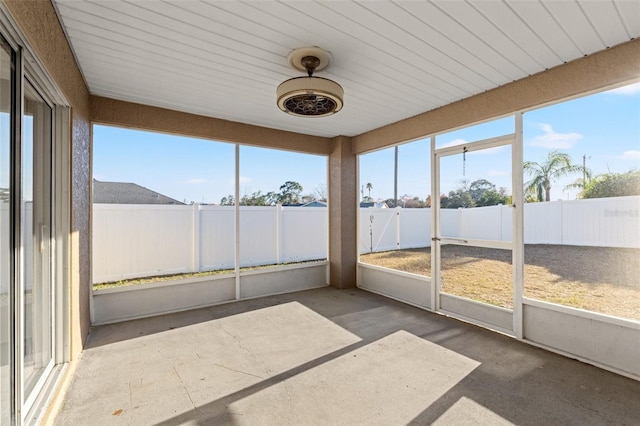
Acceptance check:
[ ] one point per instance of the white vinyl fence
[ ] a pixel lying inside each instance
(143, 240)
(601, 222)
(4, 254)
(27, 245)
(132, 241)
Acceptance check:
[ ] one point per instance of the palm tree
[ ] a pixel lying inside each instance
(369, 188)
(557, 165)
(580, 183)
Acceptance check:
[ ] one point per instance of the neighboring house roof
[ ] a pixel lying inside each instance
(127, 193)
(315, 203)
(374, 204)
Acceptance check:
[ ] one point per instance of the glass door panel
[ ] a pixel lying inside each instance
(6, 82)
(36, 219)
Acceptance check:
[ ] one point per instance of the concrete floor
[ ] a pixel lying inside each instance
(332, 357)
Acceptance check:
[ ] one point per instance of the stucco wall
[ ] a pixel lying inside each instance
(343, 193)
(127, 114)
(39, 23)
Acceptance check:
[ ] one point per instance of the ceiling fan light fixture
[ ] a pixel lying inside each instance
(310, 96)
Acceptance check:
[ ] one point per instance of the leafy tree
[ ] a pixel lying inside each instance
(579, 183)
(290, 193)
(613, 185)
(479, 193)
(557, 165)
(259, 199)
(492, 198)
(530, 198)
(484, 193)
(414, 203)
(478, 187)
(229, 200)
(456, 199)
(255, 199)
(321, 193)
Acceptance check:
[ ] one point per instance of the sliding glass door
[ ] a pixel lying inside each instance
(6, 82)
(27, 296)
(36, 259)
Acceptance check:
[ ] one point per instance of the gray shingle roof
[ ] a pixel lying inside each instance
(127, 193)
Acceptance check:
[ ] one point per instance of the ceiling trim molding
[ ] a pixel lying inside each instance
(606, 68)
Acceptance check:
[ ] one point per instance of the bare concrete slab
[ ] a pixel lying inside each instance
(330, 357)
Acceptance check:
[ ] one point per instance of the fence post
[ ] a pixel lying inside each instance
(561, 222)
(279, 233)
(502, 217)
(371, 217)
(195, 258)
(398, 227)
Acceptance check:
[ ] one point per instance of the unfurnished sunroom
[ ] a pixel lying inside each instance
(440, 99)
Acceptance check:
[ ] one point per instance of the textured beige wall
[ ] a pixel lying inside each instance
(612, 66)
(127, 114)
(39, 23)
(343, 211)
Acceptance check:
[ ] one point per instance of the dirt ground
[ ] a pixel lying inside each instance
(600, 279)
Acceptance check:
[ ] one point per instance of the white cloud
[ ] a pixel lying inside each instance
(630, 155)
(553, 140)
(196, 181)
(498, 173)
(631, 89)
(243, 180)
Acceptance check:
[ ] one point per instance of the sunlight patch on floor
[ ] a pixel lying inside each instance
(156, 376)
(390, 381)
(466, 412)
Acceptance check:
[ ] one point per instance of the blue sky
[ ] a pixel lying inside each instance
(27, 155)
(605, 127)
(198, 170)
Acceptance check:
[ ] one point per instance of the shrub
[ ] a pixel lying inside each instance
(613, 185)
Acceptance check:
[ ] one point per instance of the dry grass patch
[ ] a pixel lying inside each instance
(600, 279)
(188, 275)
(159, 278)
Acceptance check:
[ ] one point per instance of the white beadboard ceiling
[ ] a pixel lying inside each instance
(395, 60)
